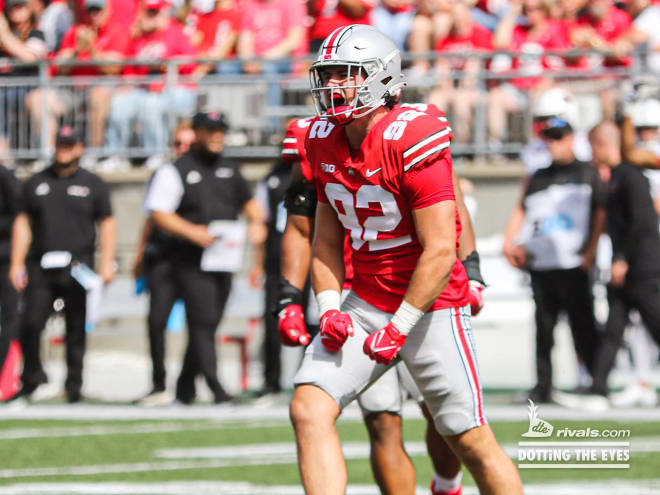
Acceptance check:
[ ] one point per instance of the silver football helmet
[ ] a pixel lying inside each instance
(373, 69)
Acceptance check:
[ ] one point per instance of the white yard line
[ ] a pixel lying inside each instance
(242, 455)
(82, 431)
(602, 487)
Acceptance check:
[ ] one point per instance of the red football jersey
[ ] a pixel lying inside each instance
(293, 145)
(403, 164)
(293, 149)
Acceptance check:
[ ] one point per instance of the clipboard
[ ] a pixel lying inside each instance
(226, 254)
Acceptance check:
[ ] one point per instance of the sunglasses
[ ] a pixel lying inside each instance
(555, 134)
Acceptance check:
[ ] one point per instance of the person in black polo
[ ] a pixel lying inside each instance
(553, 232)
(153, 263)
(185, 199)
(56, 231)
(635, 269)
(10, 206)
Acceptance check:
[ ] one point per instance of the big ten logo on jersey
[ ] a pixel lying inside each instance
(395, 130)
(371, 215)
(321, 129)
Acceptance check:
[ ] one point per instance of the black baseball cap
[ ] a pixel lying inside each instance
(555, 128)
(210, 120)
(66, 136)
(11, 3)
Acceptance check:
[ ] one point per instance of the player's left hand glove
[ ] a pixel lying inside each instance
(476, 297)
(291, 326)
(383, 345)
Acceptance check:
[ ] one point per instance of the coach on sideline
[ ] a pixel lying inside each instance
(55, 237)
(198, 199)
(635, 271)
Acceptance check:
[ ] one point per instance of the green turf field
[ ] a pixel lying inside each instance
(59, 451)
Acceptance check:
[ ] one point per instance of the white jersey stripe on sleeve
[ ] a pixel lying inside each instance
(289, 140)
(428, 153)
(425, 141)
(289, 152)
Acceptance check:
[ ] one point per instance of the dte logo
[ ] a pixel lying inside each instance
(328, 168)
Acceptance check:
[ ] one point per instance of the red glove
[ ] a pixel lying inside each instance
(383, 345)
(475, 297)
(336, 327)
(292, 326)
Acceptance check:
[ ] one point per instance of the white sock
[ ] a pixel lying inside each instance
(447, 484)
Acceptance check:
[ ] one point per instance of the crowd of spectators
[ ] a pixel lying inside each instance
(232, 33)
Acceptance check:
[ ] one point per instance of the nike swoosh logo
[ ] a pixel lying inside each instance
(369, 173)
(380, 349)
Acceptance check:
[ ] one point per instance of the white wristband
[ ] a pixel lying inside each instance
(406, 317)
(328, 299)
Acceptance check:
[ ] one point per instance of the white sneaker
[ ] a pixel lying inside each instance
(156, 399)
(635, 394)
(45, 392)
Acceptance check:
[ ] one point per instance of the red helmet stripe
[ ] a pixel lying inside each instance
(334, 38)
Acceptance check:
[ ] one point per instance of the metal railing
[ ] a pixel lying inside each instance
(32, 106)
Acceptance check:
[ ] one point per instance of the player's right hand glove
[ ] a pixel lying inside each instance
(475, 297)
(336, 327)
(291, 319)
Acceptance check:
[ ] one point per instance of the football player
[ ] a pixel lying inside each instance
(383, 176)
(393, 470)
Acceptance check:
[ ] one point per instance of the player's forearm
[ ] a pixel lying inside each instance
(21, 239)
(435, 226)
(327, 251)
(327, 268)
(467, 242)
(296, 250)
(431, 276)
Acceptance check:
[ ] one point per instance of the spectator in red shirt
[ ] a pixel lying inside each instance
(530, 36)
(99, 39)
(271, 29)
(461, 94)
(430, 24)
(606, 28)
(215, 33)
(151, 105)
(330, 14)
